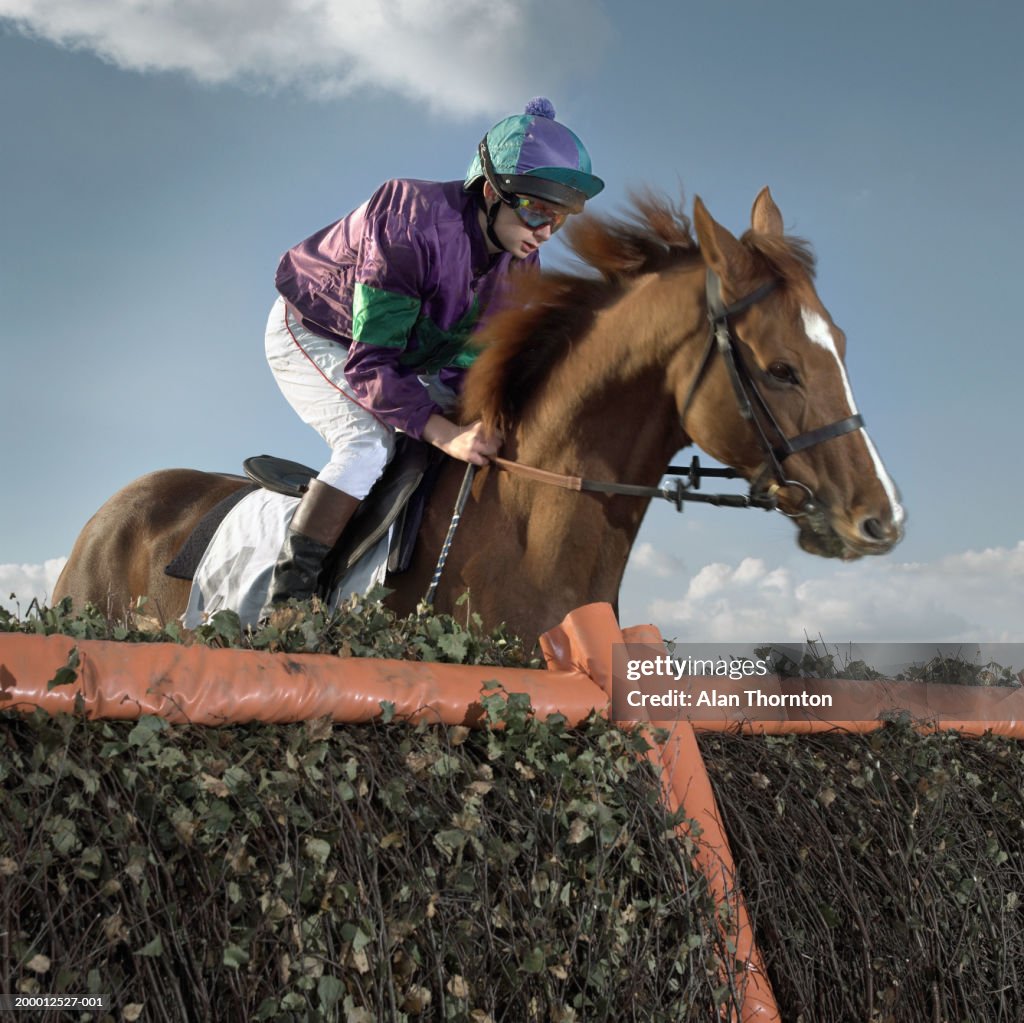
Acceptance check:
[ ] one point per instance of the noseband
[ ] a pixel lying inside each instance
(770, 478)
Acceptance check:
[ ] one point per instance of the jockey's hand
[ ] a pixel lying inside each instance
(467, 443)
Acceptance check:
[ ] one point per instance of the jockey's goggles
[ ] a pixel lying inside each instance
(535, 213)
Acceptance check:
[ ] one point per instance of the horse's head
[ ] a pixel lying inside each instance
(773, 398)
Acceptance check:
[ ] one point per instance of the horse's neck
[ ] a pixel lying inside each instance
(608, 412)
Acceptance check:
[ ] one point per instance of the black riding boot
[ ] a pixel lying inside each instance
(318, 521)
(297, 572)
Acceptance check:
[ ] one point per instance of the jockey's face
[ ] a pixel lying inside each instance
(519, 239)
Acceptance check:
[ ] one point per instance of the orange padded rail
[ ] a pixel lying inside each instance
(215, 687)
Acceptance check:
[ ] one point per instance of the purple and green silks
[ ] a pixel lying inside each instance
(401, 281)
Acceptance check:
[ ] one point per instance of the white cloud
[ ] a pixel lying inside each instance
(647, 558)
(973, 595)
(461, 56)
(28, 582)
(750, 570)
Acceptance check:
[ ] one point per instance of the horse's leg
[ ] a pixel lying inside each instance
(121, 553)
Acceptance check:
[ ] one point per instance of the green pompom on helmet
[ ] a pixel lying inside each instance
(533, 154)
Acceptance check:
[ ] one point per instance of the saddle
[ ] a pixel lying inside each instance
(398, 498)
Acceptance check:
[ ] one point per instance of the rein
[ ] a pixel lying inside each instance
(675, 491)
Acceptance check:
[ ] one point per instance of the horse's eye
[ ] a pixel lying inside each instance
(784, 373)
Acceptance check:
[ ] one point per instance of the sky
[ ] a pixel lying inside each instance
(158, 158)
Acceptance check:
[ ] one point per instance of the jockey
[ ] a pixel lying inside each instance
(369, 333)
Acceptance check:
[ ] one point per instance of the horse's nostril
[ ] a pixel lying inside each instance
(873, 529)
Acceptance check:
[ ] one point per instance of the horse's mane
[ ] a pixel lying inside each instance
(545, 313)
(788, 257)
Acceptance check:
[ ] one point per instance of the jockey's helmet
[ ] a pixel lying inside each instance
(533, 154)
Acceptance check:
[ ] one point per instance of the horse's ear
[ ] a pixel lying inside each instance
(765, 217)
(721, 251)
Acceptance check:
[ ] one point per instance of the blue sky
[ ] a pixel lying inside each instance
(157, 159)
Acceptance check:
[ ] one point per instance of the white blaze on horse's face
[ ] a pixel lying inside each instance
(818, 332)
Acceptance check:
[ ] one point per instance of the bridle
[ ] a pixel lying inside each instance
(770, 478)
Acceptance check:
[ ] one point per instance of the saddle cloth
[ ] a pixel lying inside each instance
(234, 571)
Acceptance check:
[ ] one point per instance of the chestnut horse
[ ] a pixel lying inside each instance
(604, 375)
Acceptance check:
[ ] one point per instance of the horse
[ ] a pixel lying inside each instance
(605, 372)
